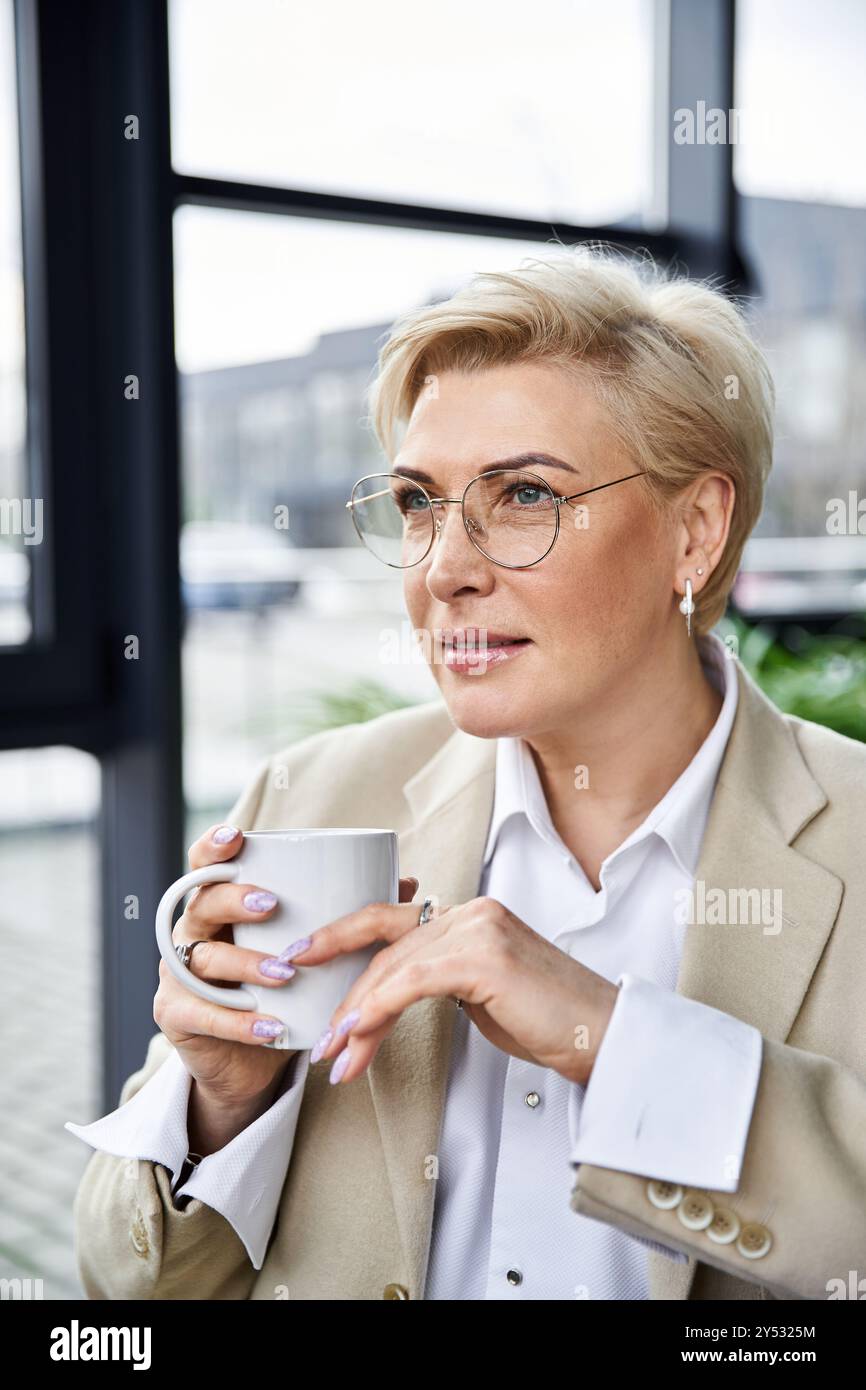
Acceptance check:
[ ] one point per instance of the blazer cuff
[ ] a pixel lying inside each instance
(243, 1181)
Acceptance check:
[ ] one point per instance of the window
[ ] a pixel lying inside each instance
(485, 106)
(801, 101)
(20, 514)
(803, 228)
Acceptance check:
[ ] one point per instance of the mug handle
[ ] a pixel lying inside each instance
(217, 994)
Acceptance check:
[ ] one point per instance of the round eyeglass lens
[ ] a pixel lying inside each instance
(393, 517)
(511, 516)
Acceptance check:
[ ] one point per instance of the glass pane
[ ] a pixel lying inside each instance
(801, 95)
(279, 320)
(50, 1032)
(808, 554)
(483, 106)
(801, 100)
(20, 516)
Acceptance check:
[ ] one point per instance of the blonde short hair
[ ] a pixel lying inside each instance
(687, 388)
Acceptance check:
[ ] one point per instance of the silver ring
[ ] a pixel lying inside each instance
(184, 950)
(426, 914)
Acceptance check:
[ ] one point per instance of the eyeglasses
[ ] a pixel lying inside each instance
(511, 516)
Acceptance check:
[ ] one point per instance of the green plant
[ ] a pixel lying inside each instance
(358, 702)
(820, 678)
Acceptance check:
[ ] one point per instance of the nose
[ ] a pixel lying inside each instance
(454, 563)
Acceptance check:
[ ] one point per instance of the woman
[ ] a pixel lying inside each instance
(640, 882)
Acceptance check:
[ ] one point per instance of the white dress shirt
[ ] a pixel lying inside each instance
(513, 1132)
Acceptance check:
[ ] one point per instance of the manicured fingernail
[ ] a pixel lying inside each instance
(340, 1066)
(348, 1022)
(296, 948)
(259, 901)
(275, 969)
(321, 1045)
(268, 1028)
(224, 834)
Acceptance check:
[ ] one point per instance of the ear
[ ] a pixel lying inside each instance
(707, 509)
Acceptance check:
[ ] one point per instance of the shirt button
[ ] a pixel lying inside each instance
(755, 1240)
(664, 1195)
(724, 1227)
(395, 1291)
(532, 1099)
(695, 1210)
(514, 1276)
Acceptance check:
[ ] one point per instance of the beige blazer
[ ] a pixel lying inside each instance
(356, 1209)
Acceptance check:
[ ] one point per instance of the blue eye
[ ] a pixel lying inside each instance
(408, 498)
(526, 496)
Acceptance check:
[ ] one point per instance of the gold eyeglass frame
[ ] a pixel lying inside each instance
(437, 521)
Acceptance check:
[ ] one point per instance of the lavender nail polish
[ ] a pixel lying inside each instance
(321, 1045)
(275, 969)
(296, 948)
(259, 901)
(268, 1028)
(348, 1022)
(224, 834)
(339, 1067)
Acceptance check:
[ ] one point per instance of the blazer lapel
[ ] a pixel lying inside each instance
(764, 796)
(451, 798)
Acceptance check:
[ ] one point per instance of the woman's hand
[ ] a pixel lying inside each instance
(223, 1049)
(218, 1046)
(525, 995)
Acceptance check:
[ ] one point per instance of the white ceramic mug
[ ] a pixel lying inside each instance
(316, 876)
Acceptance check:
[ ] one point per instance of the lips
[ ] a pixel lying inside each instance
(477, 650)
(476, 639)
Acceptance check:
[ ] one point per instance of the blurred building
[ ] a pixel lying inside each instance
(292, 432)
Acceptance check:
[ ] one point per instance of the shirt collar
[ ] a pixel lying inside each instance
(679, 818)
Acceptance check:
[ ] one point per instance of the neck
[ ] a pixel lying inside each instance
(634, 741)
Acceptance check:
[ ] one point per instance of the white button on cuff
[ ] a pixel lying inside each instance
(695, 1210)
(664, 1195)
(724, 1227)
(755, 1240)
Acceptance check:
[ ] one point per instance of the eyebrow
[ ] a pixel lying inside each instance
(531, 459)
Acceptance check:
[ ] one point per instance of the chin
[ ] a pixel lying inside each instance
(486, 714)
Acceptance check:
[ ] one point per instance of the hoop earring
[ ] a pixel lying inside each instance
(687, 606)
